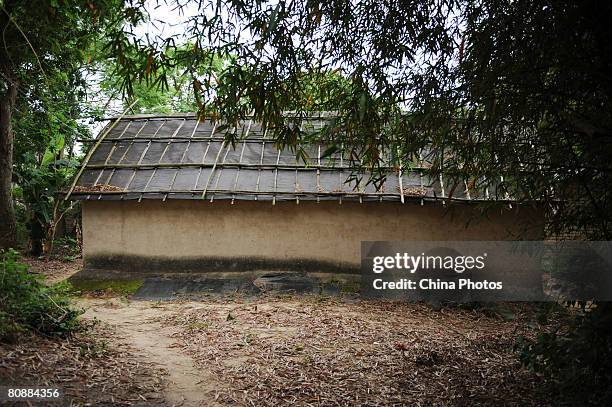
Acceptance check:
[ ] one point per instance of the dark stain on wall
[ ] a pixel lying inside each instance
(145, 264)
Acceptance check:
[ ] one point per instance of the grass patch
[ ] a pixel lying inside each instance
(350, 288)
(119, 287)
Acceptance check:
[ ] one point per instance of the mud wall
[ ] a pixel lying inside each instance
(250, 235)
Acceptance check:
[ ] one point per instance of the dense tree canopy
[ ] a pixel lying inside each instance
(507, 90)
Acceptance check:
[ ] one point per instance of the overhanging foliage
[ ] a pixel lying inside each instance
(512, 90)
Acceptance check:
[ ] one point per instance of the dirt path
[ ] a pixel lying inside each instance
(54, 270)
(137, 324)
(277, 350)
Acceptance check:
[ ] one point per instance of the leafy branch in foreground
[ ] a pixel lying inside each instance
(574, 354)
(514, 96)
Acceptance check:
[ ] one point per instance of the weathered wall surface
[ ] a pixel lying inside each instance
(199, 235)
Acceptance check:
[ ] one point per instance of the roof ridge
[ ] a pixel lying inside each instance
(182, 115)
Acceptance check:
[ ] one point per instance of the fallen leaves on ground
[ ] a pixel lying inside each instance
(53, 270)
(300, 351)
(88, 369)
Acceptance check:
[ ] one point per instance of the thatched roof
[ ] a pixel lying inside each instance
(180, 157)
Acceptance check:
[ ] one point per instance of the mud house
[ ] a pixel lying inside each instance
(165, 193)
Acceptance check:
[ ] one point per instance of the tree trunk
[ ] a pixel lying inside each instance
(7, 212)
(37, 236)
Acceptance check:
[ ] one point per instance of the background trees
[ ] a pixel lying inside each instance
(44, 49)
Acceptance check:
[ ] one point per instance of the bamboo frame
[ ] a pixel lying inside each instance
(227, 150)
(178, 139)
(162, 156)
(142, 155)
(297, 198)
(132, 142)
(183, 157)
(421, 174)
(318, 171)
(204, 157)
(276, 178)
(325, 186)
(226, 165)
(399, 177)
(263, 149)
(110, 177)
(108, 156)
(375, 196)
(240, 159)
(441, 185)
(467, 190)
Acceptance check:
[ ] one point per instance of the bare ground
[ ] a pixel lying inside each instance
(54, 270)
(314, 351)
(294, 350)
(96, 368)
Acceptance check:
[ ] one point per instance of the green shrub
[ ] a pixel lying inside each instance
(575, 356)
(66, 248)
(27, 304)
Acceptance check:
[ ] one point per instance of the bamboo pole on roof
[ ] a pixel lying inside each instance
(212, 171)
(399, 176)
(467, 190)
(297, 197)
(296, 182)
(276, 178)
(341, 172)
(246, 134)
(421, 174)
(229, 145)
(132, 142)
(373, 195)
(290, 167)
(161, 157)
(183, 157)
(108, 156)
(163, 139)
(90, 153)
(238, 171)
(124, 153)
(441, 185)
(204, 156)
(142, 155)
(318, 171)
(263, 148)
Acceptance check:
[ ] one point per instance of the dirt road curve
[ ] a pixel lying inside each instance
(152, 341)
